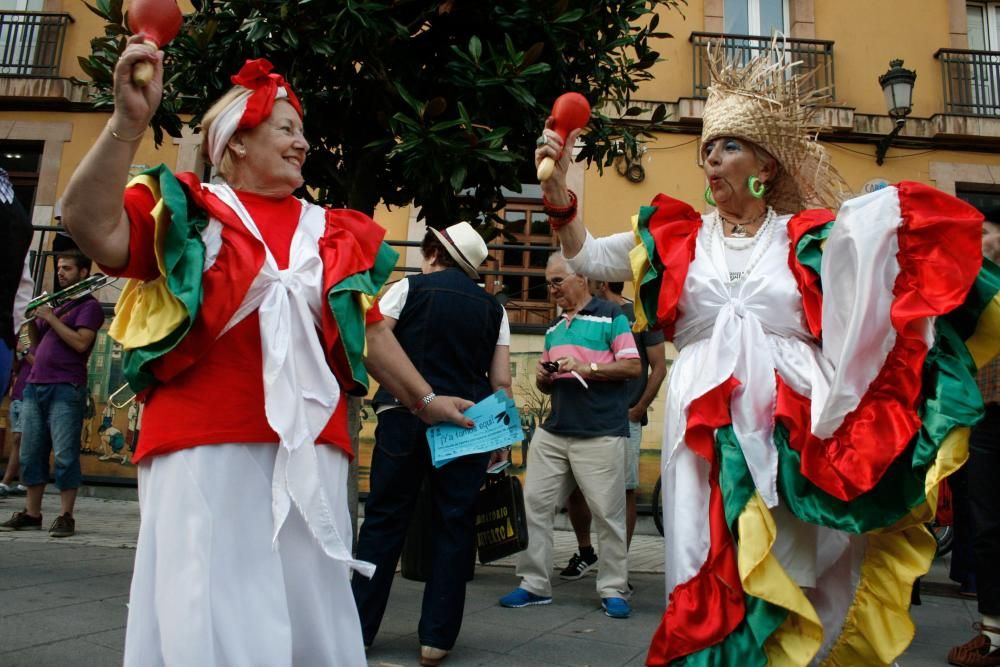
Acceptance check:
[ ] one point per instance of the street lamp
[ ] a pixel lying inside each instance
(897, 85)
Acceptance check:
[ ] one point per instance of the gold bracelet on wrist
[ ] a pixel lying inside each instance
(128, 140)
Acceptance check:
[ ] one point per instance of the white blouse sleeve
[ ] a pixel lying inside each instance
(503, 336)
(605, 258)
(392, 302)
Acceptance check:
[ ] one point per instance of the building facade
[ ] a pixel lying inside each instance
(950, 139)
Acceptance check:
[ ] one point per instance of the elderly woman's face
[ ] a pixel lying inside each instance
(276, 149)
(728, 164)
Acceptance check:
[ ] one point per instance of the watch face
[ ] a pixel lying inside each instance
(593, 366)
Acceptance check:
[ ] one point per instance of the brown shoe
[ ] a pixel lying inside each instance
(63, 526)
(977, 652)
(22, 521)
(432, 657)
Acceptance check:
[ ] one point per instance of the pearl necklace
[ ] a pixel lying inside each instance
(761, 240)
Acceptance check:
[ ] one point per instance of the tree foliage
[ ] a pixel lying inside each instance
(436, 103)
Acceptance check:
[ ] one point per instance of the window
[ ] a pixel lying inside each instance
(520, 281)
(756, 17)
(980, 74)
(983, 30)
(986, 198)
(31, 40)
(22, 160)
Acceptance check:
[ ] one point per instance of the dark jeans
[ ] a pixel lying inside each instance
(51, 420)
(984, 502)
(400, 462)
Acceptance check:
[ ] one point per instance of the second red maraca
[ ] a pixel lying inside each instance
(571, 111)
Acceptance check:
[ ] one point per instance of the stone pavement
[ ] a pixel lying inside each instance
(63, 602)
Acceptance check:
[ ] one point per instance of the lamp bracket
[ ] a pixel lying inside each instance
(886, 141)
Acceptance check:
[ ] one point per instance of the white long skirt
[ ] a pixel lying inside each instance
(209, 590)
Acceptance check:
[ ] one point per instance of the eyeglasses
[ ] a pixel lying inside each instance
(557, 283)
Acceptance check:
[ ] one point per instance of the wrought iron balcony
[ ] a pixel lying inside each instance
(31, 43)
(971, 81)
(815, 55)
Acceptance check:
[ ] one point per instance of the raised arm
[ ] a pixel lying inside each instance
(602, 259)
(554, 190)
(92, 202)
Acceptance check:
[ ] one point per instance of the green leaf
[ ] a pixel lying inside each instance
(475, 48)
(409, 99)
(457, 178)
(571, 16)
(97, 11)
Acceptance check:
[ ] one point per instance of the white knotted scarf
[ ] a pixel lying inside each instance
(300, 391)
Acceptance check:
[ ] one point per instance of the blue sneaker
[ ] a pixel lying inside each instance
(522, 598)
(616, 607)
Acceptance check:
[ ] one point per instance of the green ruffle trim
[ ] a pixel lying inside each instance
(744, 645)
(952, 400)
(809, 249)
(184, 260)
(343, 300)
(648, 286)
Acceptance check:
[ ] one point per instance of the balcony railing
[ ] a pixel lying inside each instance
(31, 43)
(971, 81)
(814, 54)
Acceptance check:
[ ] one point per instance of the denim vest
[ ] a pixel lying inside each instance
(449, 329)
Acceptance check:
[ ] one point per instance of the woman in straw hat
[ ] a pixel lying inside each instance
(823, 387)
(458, 336)
(243, 325)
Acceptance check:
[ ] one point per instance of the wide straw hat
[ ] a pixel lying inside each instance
(465, 246)
(766, 103)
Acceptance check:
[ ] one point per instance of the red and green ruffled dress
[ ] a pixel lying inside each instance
(816, 402)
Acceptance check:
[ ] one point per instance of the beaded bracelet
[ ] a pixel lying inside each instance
(568, 211)
(558, 223)
(127, 140)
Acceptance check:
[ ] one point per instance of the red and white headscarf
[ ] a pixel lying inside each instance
(251, 107)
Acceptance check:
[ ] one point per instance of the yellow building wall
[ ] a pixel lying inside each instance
(868, 35)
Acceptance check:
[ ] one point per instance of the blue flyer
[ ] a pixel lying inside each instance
(497, 424)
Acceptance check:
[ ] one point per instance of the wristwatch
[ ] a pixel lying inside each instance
(593, 367)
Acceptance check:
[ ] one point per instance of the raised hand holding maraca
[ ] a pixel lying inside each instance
(134, 104)
(570, 114)
(571, 111)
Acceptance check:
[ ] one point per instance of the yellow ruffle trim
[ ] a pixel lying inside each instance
(639, 261)
(798, 639)
(878, 627)
(147, 311)
(984, 343)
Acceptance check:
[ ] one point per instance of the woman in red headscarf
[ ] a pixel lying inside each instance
(244, 321)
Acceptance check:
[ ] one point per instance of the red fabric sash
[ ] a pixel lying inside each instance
(939, 257)
(808, 280)
(702, 611)
(674, 227)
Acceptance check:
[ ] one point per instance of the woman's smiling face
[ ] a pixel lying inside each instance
(275, 151)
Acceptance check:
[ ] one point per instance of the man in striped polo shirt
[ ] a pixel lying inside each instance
(589, 354)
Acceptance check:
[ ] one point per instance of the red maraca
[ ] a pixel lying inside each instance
(571, 111)
(160, 21)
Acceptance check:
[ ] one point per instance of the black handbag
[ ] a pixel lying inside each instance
(417, 559)
(501, 527)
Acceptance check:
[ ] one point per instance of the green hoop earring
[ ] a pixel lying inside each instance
(756, 186)
(708, 195)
